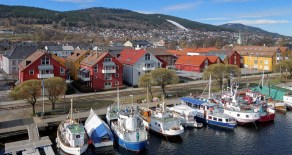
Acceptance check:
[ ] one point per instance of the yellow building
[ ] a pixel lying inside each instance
(259, 57)
(73, 62)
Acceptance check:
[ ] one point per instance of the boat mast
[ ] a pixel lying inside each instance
(118, 98)
(209, 96)
(71, 111)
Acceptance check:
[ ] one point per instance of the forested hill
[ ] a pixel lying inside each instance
(96, 17)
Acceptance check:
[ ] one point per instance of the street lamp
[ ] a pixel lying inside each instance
(162, 83)
(131, 99)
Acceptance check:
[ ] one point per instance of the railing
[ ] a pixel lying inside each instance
(84, 78)
(105, 71)
(148, 68)
(44, 76)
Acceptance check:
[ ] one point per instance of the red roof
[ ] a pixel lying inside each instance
(213, 59)
(130, 56)
(195, 60)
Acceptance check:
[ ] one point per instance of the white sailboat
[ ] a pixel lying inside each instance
(71, 136)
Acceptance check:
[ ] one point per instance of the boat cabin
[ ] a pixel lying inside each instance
(75, 135)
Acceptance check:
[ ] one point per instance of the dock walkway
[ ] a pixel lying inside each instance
(28, 146)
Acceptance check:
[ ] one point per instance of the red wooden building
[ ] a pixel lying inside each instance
(40, 65)
(227, 56)
(192, 63)
(101, 71)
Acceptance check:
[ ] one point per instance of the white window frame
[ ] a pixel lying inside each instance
(45, 60)
(117, 75)
(107, 76)
(117, 83)
(117, 67)
(62, 71)
(107, 84)
(107, 59)
(95, 69)
(31, 72)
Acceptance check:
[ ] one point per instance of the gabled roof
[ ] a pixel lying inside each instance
(213, 59)
(195, 60)
(77, 54)
(177, 52)
(131, 56)
(68, 48)
(93, 58)
(33, 57)
(283, 49)
(55, 48)
(20, 52)
(200, 50)
(158, 51)
(255, 48)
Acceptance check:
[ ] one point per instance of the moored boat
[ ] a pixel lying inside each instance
(129, 131)
(186, 115)
(161, 121)
(98, 131)
(71, 135)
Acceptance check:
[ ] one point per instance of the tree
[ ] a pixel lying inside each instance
(221, 71)
(284, 66)
(28, 91)
(146, 81)
(163, 77)
(54, 87)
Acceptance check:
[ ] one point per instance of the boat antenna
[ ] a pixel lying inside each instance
(210, 81)
(71, 111)
(118, 98)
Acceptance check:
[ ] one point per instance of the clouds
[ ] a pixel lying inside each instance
(182, 6)
(259, 22)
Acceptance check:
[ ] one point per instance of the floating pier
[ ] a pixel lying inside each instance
(30, 146)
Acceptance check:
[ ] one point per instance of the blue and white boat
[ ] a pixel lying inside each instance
(129, 131)
(98, 131)
(210, 113)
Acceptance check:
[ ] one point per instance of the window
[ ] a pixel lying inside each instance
(247, 116)
(77, 136)
(220, 119)
(108, 59)
(95, 69)
(95, 77)
(226, 120)
(234, 62)
(210, 117)
(234, 56)
(266, 62)
(19, 61)
(62, 71)
(107, 84)
(117, 75)
(147, 56)
(31, 72)
(13, 62)
(45, 61)
(214, 118)
(117, 83)
(117, 66)
(238, 115)
(107, 76)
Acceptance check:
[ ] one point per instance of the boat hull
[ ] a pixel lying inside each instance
(71, 150)
(221, 124)
(133, 146)
(267, 118)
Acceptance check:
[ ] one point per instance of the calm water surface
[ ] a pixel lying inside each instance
(272, 138)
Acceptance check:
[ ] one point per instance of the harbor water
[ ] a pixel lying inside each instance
(259, 139)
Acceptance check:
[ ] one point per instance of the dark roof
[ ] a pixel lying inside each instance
(55, 48)
(141, 42)
(20, 52)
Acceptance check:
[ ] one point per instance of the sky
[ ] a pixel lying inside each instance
(270, 15)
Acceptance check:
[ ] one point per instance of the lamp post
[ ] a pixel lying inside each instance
(162, 83)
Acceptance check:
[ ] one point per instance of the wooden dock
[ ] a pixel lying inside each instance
(31, 145)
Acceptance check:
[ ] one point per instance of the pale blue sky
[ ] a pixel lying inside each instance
(270, 15)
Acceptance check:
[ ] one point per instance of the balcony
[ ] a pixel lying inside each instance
(108, 71)
(45, 76)
(83, 78)
(148, 68)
